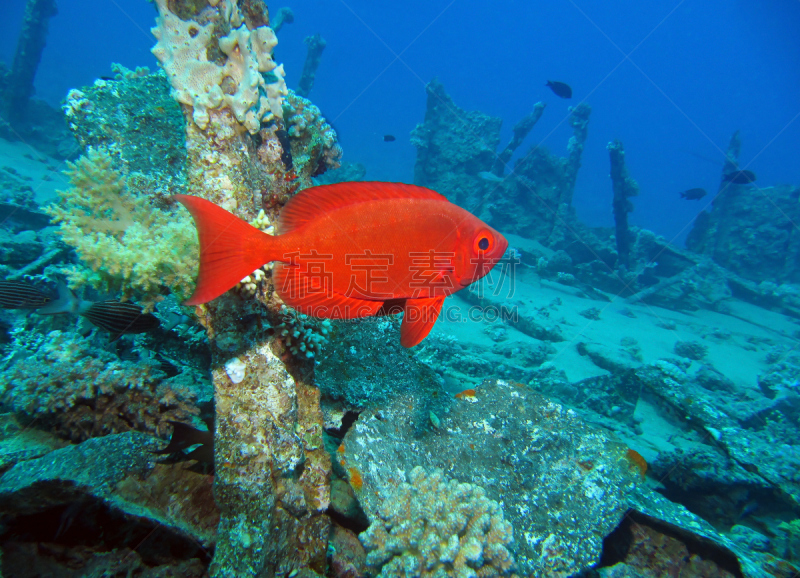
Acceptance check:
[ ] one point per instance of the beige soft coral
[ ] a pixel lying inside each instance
(126, 244)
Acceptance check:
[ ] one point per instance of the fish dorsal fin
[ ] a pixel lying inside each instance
(315, 201)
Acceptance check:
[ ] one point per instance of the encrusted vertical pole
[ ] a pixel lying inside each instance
(272, 482)
(521, 130)
(30, 45)
(316, 45)
(624, 187)
(579, 120)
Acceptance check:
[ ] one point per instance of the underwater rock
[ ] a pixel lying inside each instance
(347, 172)
(654, 554)
(616, 360)
(709, 484)
(18, 250)
(365, 365)
(562, 484)
(121, 113)
(19, 443)
(453, 146)
(691, 349)
(751, 236)
(346, 556)
(651, 508)
(105, 495)
(758, 446)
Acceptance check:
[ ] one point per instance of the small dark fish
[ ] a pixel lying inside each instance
(389, 138)
(693, 194)
(286, 145)
(740, 177)
(107, 78)
(184, 436)
(748, 509)
(120, 318)
(166, 366)
(561, 89)
(116, 317)
(21, 295)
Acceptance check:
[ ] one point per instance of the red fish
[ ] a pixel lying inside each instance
(352, 250)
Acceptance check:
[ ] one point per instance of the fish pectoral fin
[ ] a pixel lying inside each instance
(419, 318)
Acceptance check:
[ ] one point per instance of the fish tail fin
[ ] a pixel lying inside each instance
(230, 248)
(66, 302)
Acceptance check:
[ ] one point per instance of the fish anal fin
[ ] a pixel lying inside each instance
(316, 201)
(304, 293)
(419, 318)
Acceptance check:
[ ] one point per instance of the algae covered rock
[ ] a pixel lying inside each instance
(561, 485)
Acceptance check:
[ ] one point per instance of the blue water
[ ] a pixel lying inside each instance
(672, 80)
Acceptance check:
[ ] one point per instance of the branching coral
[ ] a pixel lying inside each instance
(304, 336)
(433, 526)
(80, 391)
(128, 244)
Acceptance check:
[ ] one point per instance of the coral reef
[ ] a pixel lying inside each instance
(272, 482)
(127, 244)
(432, 526)
(79, 391)
(114, 114)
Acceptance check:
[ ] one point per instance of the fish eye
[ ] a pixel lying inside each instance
(484, 241)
